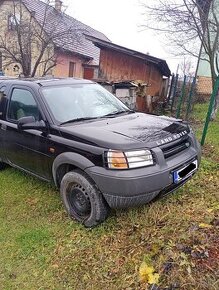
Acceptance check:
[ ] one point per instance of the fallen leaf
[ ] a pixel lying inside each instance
(153, 278)
(145, 269)
(214, 208)
(189, 270)
(146, 274)
(167, 267)
(204, 226)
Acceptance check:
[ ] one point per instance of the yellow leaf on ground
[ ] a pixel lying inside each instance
(153, 278)
(144, 270)
(214, 208)
(205, 226)
(146, 274)
(210, 210)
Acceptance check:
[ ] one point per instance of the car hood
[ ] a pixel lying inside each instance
(135, 130)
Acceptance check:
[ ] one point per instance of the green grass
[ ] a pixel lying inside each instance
(40, 248)
(211, 148)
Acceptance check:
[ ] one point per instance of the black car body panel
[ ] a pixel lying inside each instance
(49, 153)
(125, 132)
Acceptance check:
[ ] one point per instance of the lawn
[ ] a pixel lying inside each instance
(175, 237)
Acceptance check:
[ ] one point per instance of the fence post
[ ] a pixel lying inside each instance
(190, 98)
(210, 109)
(174, 91)
(181, 98)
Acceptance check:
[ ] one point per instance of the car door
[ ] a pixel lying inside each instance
(26, 149)
(2, 126)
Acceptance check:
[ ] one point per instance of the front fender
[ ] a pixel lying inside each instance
(74, 159)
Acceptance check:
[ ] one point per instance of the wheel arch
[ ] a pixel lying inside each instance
(66, 162)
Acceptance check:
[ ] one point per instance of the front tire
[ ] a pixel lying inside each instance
(82, 199)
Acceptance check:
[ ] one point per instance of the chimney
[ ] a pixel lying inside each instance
(58, 5)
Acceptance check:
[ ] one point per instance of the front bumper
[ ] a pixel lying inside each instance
(133, 187)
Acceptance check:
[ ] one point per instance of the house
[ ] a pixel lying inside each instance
(136, 77)
(76, 50)
(204, 73)
(118, 64)
(79, 58)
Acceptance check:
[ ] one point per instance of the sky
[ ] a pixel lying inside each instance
(120, 21)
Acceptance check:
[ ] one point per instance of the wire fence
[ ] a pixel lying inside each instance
(184, 92)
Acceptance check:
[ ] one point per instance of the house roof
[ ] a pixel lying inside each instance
(63, 22)
(160, 63)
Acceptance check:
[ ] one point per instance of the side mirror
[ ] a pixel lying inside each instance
(30, 122)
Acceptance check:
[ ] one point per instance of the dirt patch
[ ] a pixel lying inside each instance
(209, 152)
(207, 258)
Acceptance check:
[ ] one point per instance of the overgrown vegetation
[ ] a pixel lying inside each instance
(191, 29)
(175, 238)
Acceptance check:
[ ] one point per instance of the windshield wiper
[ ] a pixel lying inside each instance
(118, 113)
(99, 117)
(78, 120)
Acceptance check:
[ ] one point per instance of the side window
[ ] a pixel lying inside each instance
(2, 101)
(22, 104)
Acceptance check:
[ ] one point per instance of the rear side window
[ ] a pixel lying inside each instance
(22, 104)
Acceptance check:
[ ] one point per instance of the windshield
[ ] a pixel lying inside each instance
(83, 101)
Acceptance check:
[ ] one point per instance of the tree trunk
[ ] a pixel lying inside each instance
(26, 72)
(215, 108)
(216, 103)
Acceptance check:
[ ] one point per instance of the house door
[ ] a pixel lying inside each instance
(88, 73)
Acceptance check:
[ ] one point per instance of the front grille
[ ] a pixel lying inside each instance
(173, 148)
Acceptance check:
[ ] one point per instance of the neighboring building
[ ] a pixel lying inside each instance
(78, 59)
(204, 74)
(90, 56)
(119, 63)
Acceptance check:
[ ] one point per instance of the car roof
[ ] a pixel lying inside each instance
(44, 81)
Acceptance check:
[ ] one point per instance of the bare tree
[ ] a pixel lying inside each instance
(186, 67)
(187, 24)
(32, 40)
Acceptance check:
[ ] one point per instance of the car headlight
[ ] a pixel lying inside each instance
(129, 159)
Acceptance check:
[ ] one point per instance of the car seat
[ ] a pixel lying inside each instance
(20, 113)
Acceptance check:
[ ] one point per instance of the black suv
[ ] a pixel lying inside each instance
(97, 151)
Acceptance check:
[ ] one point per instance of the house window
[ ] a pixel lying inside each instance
(13, 21)
(71, 69)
